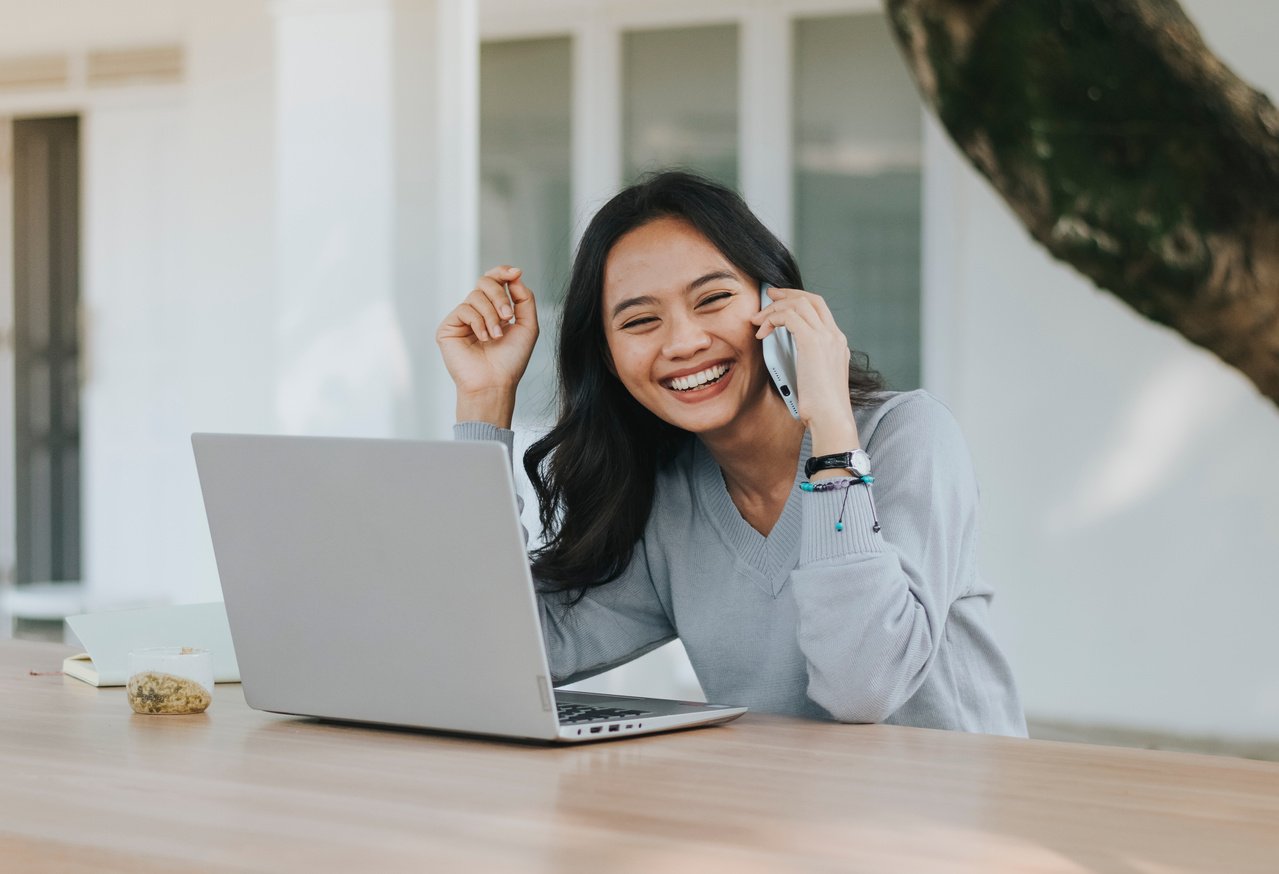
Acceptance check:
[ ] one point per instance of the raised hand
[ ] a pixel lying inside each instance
(821, 366)
(486, 342)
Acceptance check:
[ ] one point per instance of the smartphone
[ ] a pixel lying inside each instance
(779, 358)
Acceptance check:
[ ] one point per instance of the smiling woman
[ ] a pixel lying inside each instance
(681, 498)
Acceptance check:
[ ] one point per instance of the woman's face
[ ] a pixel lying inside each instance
(676, 317)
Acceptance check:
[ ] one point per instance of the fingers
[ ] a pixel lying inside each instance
(813, 305)
(464, 322)
(490, 299)
(794, 308)
(479, 314)
(522, 298)
(822, 308)
(795, 314)
(499, 298)
(496, 287)
(804, 314)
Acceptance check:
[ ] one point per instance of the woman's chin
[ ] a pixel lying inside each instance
(714, 416)
(694, 419)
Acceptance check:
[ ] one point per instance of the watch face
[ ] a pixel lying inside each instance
(859, 461)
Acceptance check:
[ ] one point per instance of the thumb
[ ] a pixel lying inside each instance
(522, 301)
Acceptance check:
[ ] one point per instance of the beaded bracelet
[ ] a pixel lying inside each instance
(845, 483)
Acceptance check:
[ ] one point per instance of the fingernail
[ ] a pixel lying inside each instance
(497, 330)
(506, 313)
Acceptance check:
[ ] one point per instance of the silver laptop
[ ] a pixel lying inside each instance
(386, 581)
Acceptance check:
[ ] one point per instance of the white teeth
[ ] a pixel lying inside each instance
(710, 374)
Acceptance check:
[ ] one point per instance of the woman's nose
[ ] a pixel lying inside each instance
(685, 338)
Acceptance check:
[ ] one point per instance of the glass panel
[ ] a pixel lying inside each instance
(36, 548)
(46, 159)
(525, 185)
(858, 188)
(38, 418)
(680, 101)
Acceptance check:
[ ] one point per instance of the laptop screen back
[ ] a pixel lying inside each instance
(381, 581)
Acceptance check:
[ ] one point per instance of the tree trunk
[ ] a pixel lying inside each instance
(1127, 149)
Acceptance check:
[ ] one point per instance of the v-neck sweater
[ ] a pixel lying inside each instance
(852, 624)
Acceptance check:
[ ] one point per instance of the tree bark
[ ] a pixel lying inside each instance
(1126, 147)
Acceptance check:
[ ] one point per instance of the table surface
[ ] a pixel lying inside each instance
(87, 785)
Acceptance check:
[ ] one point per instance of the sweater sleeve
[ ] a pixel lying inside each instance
(611, 624)
(872, 606)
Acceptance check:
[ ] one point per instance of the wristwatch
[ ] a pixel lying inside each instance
(857, 461)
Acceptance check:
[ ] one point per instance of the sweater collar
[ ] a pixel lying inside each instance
(771, 558)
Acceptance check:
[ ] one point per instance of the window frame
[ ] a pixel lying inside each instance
(765, 139)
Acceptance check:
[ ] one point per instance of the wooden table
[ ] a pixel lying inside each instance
(86, 785)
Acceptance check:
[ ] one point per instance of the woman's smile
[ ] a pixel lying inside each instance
(702, 385)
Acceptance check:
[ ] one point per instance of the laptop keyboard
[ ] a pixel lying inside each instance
(570, 714)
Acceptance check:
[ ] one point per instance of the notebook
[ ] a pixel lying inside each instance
(386, 582)
(109, 637)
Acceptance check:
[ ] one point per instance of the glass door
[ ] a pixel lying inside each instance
(46, 346)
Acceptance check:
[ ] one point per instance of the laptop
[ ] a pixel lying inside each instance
(386, 582)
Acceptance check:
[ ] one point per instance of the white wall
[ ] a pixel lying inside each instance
(132, 206)
(338, 350)
(1131, 494)
(179, 291)
(226, 342)
(59, 25)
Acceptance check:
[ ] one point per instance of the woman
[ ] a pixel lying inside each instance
(674, 489)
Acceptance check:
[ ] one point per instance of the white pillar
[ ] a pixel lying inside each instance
(597, 118)
(456, 236)
(764, 107)
(377, 192)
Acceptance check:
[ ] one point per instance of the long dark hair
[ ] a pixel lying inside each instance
(595, 472)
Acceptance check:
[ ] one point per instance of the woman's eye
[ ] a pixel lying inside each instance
(638, 323)
(715, 298)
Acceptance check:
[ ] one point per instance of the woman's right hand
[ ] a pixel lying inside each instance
(485, 353)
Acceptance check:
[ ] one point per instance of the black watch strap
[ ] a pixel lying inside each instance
(838, 461)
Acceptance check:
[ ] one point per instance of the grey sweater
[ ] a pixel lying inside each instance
(852, 625)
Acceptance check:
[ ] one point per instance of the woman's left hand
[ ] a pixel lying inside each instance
(821, 366)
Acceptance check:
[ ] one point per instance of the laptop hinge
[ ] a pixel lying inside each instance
(544, 688)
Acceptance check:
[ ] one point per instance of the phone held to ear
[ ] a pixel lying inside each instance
(779, 358)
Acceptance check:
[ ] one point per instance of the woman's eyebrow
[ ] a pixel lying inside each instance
(710, 277)
(643, 300)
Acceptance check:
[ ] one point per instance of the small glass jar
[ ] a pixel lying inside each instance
(170, 679)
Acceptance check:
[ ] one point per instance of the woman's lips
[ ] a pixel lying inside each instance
(705, 391)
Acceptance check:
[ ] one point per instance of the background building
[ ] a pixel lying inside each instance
(273, 204)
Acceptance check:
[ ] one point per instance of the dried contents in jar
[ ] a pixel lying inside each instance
(156, 692)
